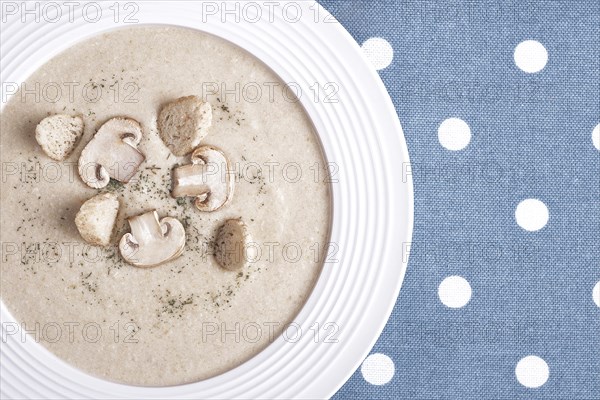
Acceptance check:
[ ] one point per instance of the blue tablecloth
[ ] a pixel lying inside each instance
(513, 209)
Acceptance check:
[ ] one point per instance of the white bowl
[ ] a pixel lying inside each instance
(373, 197)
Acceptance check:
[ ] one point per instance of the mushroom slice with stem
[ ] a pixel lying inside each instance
(152, 241)
(112, 153)
(207, 178)
(231, 246)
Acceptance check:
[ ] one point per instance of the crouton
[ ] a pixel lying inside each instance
(58, 135)
(183, 123)
(97, 217)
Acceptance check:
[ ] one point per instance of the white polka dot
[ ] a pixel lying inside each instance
(532, 215)
(454, 292)
(596, 294)
(454, 134)
(532, 372)
(377, 369)
(379, 52)
(531, 56)
(596, 137)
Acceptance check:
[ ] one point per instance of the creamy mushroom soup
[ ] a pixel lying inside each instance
(189, 318)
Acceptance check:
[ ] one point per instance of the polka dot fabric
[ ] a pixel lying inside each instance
(500, 106)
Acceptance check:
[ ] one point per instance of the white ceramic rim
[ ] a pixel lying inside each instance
(373, 201)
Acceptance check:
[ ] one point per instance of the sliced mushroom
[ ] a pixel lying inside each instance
(112, 153)
(207, 178)
(152, 242)
(231, 247)
(183, 123)
(58, 135)
(96, 219)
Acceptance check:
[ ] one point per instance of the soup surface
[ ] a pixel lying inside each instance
(188, 319)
